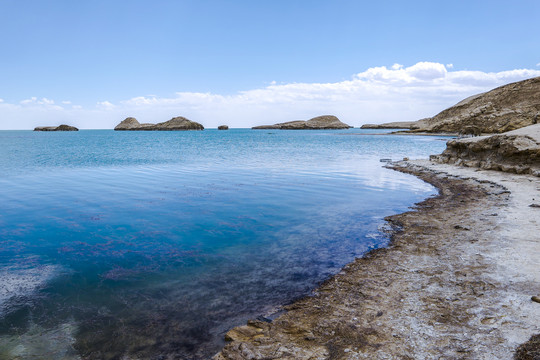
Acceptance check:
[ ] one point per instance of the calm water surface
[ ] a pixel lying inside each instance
(128, 245)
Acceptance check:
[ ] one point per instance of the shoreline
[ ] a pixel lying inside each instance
(443, 134)
(455, 282)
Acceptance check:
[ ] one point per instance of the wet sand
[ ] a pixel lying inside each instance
(455, 283)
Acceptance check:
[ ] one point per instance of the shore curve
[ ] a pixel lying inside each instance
(456, 282)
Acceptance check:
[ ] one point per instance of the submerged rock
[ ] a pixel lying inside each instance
(62, 127)
(176, 123)
(223, 127)
(317, 123)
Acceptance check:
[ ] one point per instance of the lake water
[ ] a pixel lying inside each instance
(150, 245)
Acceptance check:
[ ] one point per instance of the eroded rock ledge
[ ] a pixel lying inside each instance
(516, 151)
(176, 123)
(316, 123)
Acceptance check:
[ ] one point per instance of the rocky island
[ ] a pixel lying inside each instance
(56, 128)
(175, 124)
(316, 123)
(503, 109)
(390, 125)
(223, 127)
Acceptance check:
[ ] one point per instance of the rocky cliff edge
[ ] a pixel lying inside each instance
(502, 109)
(516, 151)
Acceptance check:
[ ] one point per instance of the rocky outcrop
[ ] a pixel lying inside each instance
(503, 109)
(317, 123)
(223, 127)
(62, 127)
(178, 123)
(516, 151)
(129, 123)
(390, 125)
(175, 124)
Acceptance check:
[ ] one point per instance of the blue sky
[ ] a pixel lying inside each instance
(75, 61)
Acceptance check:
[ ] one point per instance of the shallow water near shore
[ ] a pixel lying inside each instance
(153, 244)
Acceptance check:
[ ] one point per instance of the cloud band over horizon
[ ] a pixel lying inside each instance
(379, 94)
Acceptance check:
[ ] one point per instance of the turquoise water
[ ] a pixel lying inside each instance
(152, 244)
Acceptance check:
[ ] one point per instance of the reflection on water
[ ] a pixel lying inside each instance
(147, 244)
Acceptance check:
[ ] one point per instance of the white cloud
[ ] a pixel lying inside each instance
(34, 100)
(378, 94)
(29, 101)
(538, 64)
(449, 66)
(105, 104)
(43, 103)
(427, 71)
(66, 102)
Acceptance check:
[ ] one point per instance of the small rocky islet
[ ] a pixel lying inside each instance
(62, 127)
(178, 123)
(324, 122)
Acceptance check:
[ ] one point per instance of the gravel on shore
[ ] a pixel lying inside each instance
(457, 282)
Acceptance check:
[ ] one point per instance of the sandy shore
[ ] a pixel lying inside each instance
(456, 282)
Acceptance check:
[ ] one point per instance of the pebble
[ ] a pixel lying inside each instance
(536, 299)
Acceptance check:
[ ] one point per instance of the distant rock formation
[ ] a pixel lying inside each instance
(62, 127)
(503, 109)
(176, 123)
(390, 125)
(223, 127)
(516, 151)
(317, 123)
(129, 123)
